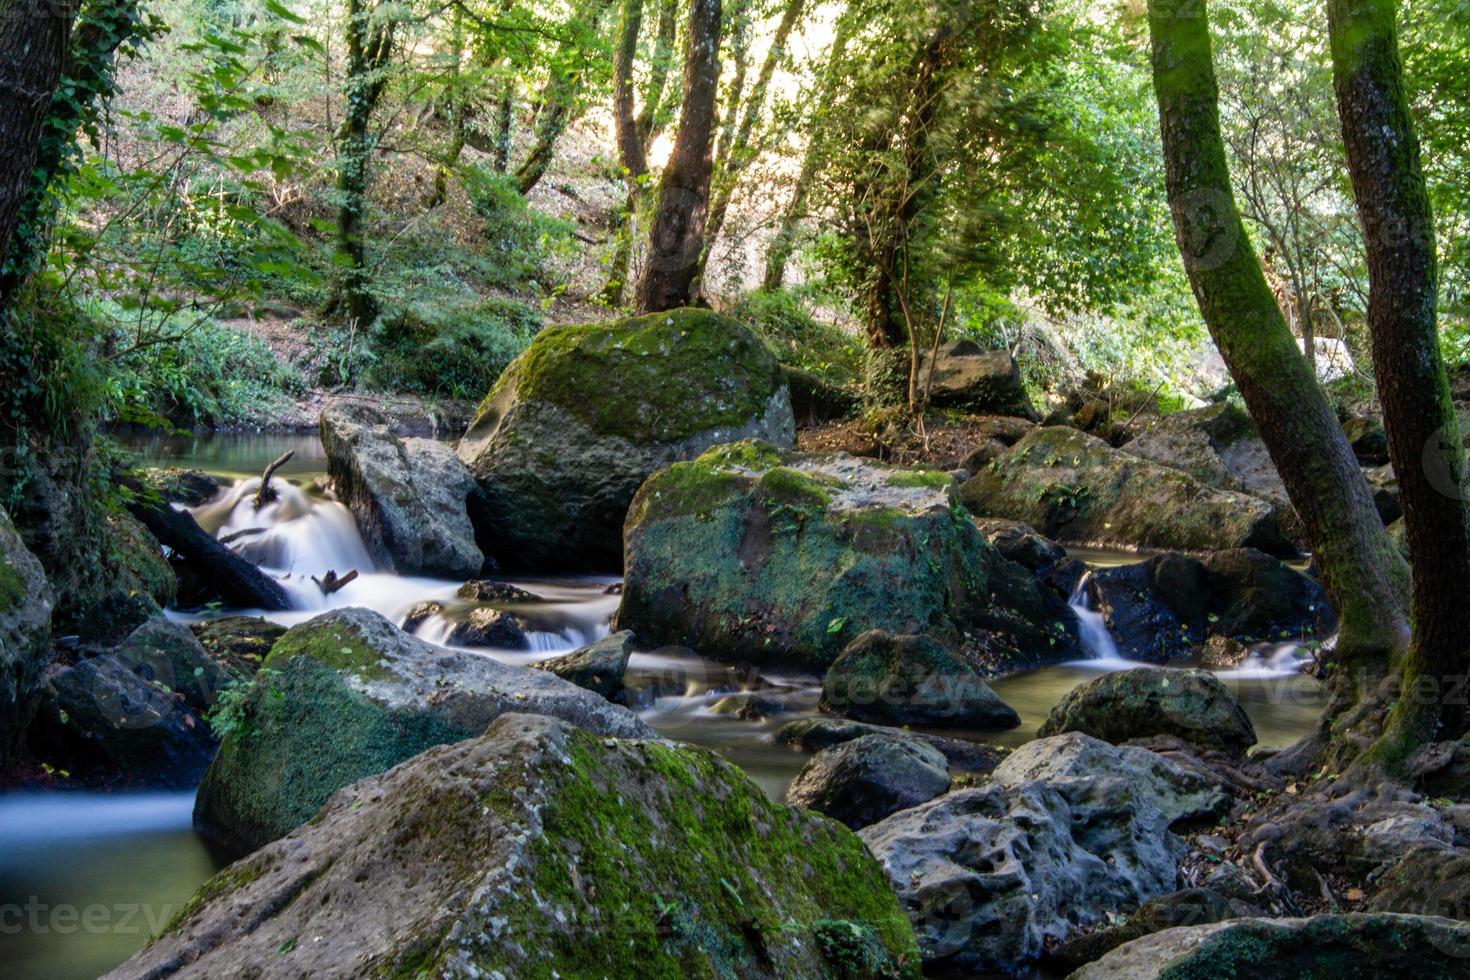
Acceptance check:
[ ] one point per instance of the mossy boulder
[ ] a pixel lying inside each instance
(1343, 946)
(911, 680)
(177, 485)
(1077, 489)
(751, 554)
(239, 642)
(538, 850)
(25, 635)
(348, 695)
(588, 412)
(136, 560)
(409, 497)
(1147, 701)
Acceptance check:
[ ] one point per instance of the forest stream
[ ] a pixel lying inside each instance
(130, 861)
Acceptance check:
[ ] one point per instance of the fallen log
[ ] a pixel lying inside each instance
(218, 571)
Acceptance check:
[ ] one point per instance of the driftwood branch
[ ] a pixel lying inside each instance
(331, 582)
(245, 533)
(266, 493)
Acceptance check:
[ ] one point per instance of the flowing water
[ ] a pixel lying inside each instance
(129, 861)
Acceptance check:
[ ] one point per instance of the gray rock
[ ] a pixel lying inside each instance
(988, 875)
(25, 635)
(1022, 544)
(1191, 704)
(489, 590)
(911, 680)
(971, 379)
(348, 695)
(540, 850)
(816, 734)
(1180, 794)
(410, 497)
(862, 781)
(1189, 907)
(578, 422)
(1356, 945)
(488, 628)
(752, 554)
(599, 667)
(1077, 489)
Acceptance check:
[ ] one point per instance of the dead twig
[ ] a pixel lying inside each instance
(332, 583)
(265, 493)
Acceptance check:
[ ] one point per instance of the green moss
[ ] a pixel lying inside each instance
(929, 479)
(657, 378)
(793, 488)
(752, 454)
(328, 644)
(12, 587)
(227, 881)
(663, 884)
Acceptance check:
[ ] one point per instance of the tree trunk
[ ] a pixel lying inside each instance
(1364, 575)
(650, 120)
(740, 152)
(33, 52)
(677, 236)
(1423, 432)
(369, 46)
(458, 119)
(631, 155)
(784, 242)
(505, 121)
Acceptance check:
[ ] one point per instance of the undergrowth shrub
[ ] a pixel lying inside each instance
(452, 350)
(800, 340)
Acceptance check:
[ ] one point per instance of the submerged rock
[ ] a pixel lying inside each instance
(751, 554)
(598, 667)
(816, 734)
(489, 590)
(1076, 488)
(539, 850)
(1158, 609)
(910, 680)
(862, 781)
(989, 875)
(486, 628)
(1146, 701)
(25, 635)
(588, 412)
(409, 497)
(348, 695)
(1354, 945)
(1178, 793)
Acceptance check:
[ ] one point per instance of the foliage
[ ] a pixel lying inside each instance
(798, 339)
(454, 351)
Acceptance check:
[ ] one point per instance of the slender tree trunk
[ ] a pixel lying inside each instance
(1363, 574)
(33, 52)
(631, 154)
(369, 46)
(505, 122)
(677, 236)
(784, 242)
(741, 152)
(458, 121)
(559, 105)
(650, 119)
(1423, 432)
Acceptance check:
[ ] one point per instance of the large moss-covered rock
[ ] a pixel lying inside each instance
(348, 695)
(749, 553)
(1218, 446)
(1076, 488)
(25, 634)
(538, 850)
(409, 497)
(1343, 947)
(588, 412)
(1146, 701)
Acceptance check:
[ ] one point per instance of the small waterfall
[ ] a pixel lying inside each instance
(292, 536)
(1091, 629)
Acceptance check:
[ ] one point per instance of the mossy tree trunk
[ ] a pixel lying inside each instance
(33, 52)
(741, 150)
(1423, 432)
(1364, 575)
(677, 236)
(369, 48)
(784, 242)
(631, 155)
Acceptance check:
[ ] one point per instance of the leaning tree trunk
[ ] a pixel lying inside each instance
(683, 195)
(784, 242)
(33, 50)
(741, 151)
(1363, 573)
(1423, 432)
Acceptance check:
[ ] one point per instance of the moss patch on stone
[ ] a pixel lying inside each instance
(331, 644)
(657, 378)
(12, 587)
